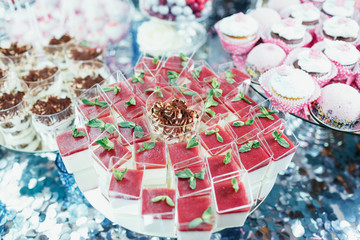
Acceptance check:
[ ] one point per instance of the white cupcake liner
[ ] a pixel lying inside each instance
(234, 46)
(291, 106)
(266, 37)
(292, 57)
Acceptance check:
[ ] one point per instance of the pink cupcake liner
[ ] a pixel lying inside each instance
(235, 47)
(286, 47)
(282, 104)
(292, 57)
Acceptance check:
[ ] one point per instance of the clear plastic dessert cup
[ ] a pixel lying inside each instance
(88, 110)
(21, 54)
(52, 112)
(151, 154)
(232, 199)
(15, 121)
(76, 53)
(124, 186)
(195, 217)
(155, 105)
(40, 72)
(148, 64)
(282, 154)
(6, 68)
(89, 73)
(55, 52)
(191, 178)
(158, 210)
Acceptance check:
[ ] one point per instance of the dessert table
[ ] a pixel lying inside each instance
(317, 197)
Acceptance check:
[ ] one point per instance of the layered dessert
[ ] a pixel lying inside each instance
(136, 130)
(130, 108)
(15, 120)
(40, 75)
(17, 52)
(182, 149)
(96, 126)
(239, 102)
(215, 138)
(54, 48)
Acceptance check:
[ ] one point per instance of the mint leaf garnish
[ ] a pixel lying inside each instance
(238, 124)
(77, 133)
(235, 184)
(216, 131)
(139, 79)
(127, 124)
(205, 217)
(105, 143)
(155, 61)
(280, 140)
(130, 102)
(114, 88)
(146, 146)
(267, 113)
(192, 143)
(96, 102)
(248, 146)
(156, 89)
(165, 198)
(229, 76)
(118, 174)
(227, 158)
(239, 97)
(197, 72)
(187, 173)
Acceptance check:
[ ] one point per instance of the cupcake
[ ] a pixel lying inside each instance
(266, 17)
(262, 58)
(343, 8)
(291, 84)
(313, 62)
(289, 30)
(344, 53)
(341, 28)
(239, 27)
(279, 5)
(307, 13)
(338, 106)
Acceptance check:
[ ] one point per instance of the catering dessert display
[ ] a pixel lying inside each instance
(151, 159)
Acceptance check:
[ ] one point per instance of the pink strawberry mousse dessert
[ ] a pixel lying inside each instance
(232, 201)
(195, 217)
(129, 108)
(73, 147)
(152, 156)
(183, 151)
(94, 108)
(135, 131)
(96, 126)
(238, 102)
(118, 91)
(242, 126)
(178, 63)
(158, 210)
(215, 139)
(148, 65)
(125, 190)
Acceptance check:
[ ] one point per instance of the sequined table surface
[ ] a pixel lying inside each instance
(317, 197)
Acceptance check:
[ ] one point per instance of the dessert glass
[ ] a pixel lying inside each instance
(20, 55)
(148, 64)
(6, 68)
(55, 52)
(15, 121)
(49, 125)
(93, 69)
(168, 131)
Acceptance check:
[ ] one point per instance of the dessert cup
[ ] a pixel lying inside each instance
(125, 193)
(224, 163)
(216, 136)
(202, 70)
(158, 216)
(76, 53)
(15, 120)
(19, 53)
(198, 184)
(148, 64)
(39, 72)
(90, 111)
(89, 73)
(96, 126)
(176, 124)
(153, 159)
(190, 208)
(179, 148)
(130, 108)
(282, 156)
(52, 112)
(119, 90)
(7, 68)
(232, 199)
(102, 155)
(242, 126)
(255, 159)
(54, 49)
(266, 186)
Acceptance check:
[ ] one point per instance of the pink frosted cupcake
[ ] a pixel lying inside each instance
(338, 106)
(343, 8)
(307, 13)
(262, 58)
(266, 17)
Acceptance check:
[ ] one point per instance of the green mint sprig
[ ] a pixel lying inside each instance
(229, 76)
(280, 140)
(227, 158)
(138, 130)
(205, 217)
(172, 75)
(105, 143)
(183, 59)
(241, 123)
(155, 61)
(156, 89)
(114, 88)
(216, 131)
(197, 72)
(241, 96)
(146, 146)
(165, 198)
(118, 174)
(210, 102)
(139, 79)
(95, 103)
(77, 133)
(216, 88)
(267, 113)
(248, 146)
(131, 102)
(188, 174)
(235, 184)
(97, 123)
(192, 143)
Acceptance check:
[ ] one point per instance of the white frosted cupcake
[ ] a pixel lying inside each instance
(307, 13)
(292, 84)
(343, 8)
(289, 30)
(344, 53)
(313, 62)
(239, 27)
(341, 28)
